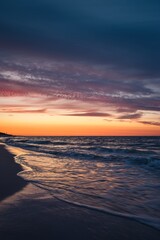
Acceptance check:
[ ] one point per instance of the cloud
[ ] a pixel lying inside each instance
(23, 110)
(67, 85)
(12, 86)
(81, 58)
(75, 56)
(89, 114)
(118, 33)
(150, 123)
(130, 116)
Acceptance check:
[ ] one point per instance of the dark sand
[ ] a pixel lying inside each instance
(52, 219)
(10, 183)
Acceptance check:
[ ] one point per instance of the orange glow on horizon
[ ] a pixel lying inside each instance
(89, 127)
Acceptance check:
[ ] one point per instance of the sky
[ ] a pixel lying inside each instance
(89, 67)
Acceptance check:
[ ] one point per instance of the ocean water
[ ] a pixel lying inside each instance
(116, 175)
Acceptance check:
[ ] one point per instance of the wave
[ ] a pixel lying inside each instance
(116, 182)
(89, 150)
(94, 157)
(152, 222)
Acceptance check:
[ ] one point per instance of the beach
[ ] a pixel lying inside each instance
(10, 183)
(46, 217)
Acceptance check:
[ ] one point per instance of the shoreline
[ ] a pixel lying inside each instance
(52, 219)
(10, 183)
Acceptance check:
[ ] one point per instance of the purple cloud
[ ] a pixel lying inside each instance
(77, 87)
(150, 123)
(89, 114)
(130, 116)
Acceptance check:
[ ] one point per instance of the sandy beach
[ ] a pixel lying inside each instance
(10, 183)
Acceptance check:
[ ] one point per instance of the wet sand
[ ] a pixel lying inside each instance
(10, 183)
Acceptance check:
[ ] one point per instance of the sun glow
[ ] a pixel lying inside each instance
(42, 124)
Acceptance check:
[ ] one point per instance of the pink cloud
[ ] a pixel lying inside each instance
(23, 110)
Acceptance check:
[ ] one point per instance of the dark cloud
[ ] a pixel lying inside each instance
(89, 114)
(124, 33)
(24, 110)
(130, 116)
(150, 123)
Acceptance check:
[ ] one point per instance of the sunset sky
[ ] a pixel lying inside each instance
(80, 67)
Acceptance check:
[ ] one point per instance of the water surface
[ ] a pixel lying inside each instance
(119, 175)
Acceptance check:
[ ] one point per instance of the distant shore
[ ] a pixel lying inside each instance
(10, 183)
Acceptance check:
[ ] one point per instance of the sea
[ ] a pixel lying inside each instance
(115, 175)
